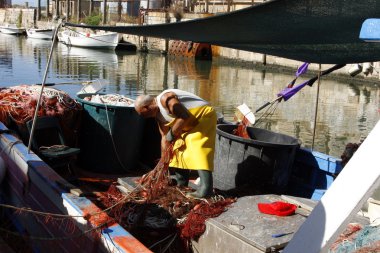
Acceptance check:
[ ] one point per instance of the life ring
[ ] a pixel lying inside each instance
(2, 170)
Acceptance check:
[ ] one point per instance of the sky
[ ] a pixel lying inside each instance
(31, 2)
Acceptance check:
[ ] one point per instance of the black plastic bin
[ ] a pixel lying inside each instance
(261, 164)
(99, 151)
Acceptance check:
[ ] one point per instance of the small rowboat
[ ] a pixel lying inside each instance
(45, 34)
(12, 29)
(89, 40)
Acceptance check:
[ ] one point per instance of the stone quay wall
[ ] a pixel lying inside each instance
(14, 15)
(227, 54)
(156, 45)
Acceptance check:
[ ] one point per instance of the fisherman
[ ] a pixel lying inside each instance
(189, 122)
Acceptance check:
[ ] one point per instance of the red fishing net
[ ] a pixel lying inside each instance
(157, 205)
(154, 208)
(241, 129)
(18, 105)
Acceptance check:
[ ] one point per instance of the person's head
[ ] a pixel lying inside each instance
(146, 106)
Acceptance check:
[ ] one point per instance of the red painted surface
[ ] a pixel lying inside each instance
(23, 192)
(130, 244)
(95, 216)
(46, 197)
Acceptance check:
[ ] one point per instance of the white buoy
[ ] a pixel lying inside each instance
(2, 170)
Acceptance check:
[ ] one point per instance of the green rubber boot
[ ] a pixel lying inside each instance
(205, 188)
(182, 177)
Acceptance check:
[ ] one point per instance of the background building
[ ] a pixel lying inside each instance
(5, 3)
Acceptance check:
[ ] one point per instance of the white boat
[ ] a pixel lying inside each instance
(35, 33)
(11, 29)
(101, 55)
(91, 40)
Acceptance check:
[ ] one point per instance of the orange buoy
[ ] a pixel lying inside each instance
(190, 49)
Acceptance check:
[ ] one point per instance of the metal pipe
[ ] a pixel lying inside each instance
(316, 108)
(43, 86)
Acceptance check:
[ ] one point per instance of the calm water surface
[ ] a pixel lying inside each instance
(346, 112)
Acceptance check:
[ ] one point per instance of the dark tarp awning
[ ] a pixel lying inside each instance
(317, 31)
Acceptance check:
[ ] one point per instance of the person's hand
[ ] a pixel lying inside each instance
(170, 136)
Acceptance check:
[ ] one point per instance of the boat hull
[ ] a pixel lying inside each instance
(106, 40)
(31, 183)
(44, 34)
(12, 30)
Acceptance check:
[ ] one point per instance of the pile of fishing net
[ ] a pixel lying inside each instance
(110, 99)
(18, 105)
(157, 208)
(357, 239)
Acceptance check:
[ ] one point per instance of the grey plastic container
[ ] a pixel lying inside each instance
(261, 164)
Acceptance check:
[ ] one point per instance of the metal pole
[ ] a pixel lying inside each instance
(91, 7)
(79, 10)
(119, 10)
(43, 86)
(316, 108)
(104, 12)
(67, 10)
(47, 9)
(57, 8)
(39, 10)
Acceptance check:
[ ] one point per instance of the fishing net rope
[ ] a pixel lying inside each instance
(18, 105)
(357, 239)
(157, 204)
(110, 99)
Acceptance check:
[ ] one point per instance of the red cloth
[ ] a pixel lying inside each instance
(277, 208)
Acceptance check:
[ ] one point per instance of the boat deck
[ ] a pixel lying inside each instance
(243, 228)
(5, 247)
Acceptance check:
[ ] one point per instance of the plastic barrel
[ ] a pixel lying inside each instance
(110, 137)
(261, 164)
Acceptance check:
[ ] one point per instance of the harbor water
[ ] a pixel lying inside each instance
(347, 110)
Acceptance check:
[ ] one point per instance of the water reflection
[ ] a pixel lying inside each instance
(346, 113)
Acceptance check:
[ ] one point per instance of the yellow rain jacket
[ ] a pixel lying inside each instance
(194, 149)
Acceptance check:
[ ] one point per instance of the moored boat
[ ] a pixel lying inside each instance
(11, 29)
(67, 219)
(31, 182)
(294, 29)
(89, 40)
(35, 33)
(319, 177)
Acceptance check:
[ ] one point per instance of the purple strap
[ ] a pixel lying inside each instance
(289, 92)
